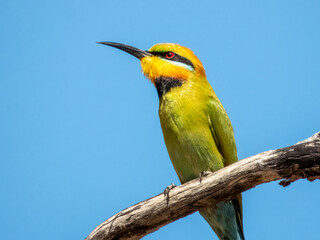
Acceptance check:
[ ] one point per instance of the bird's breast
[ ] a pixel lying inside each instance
(187, 134)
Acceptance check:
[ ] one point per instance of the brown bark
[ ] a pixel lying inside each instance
(298, 161)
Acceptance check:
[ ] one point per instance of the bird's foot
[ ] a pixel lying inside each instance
(203, 174)
(167, 190)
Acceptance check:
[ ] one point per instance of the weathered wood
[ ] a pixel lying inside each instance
(301, 160)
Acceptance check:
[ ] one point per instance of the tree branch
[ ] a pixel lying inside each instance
(301, 160)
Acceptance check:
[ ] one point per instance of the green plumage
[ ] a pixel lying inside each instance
(196, 128)
(199, 137)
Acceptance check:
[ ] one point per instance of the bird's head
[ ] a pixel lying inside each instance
(165, 60)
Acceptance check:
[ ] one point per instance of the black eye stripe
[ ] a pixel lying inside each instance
(176, 58)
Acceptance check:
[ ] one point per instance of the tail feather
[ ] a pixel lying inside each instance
(237, 204)
(225, 219)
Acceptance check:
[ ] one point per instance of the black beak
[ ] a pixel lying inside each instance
(138, 53)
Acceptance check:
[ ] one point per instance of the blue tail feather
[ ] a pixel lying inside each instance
(223, 220)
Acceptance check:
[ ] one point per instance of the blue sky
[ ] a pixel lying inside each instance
(79, 130)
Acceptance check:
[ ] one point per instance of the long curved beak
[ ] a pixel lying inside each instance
(138, 53)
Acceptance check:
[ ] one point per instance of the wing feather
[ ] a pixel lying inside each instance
(222, 133)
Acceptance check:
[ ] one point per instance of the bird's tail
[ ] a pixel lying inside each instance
(225, 219)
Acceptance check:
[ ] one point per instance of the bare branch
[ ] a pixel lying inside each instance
(301, 160)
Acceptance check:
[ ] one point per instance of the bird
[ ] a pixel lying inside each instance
(196, 128)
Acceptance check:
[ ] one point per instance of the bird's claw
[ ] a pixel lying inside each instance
(203, 174)
(167, 190)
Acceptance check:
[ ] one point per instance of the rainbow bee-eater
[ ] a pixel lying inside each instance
(196, 128)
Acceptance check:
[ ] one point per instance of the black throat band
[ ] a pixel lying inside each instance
(164, 84)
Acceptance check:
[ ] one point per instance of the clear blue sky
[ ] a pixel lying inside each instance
(80, 137)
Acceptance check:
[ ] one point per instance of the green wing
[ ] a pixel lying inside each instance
(222, 131)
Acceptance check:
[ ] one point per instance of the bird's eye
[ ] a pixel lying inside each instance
(170, 55)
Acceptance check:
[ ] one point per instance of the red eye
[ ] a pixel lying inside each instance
(169, 55)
